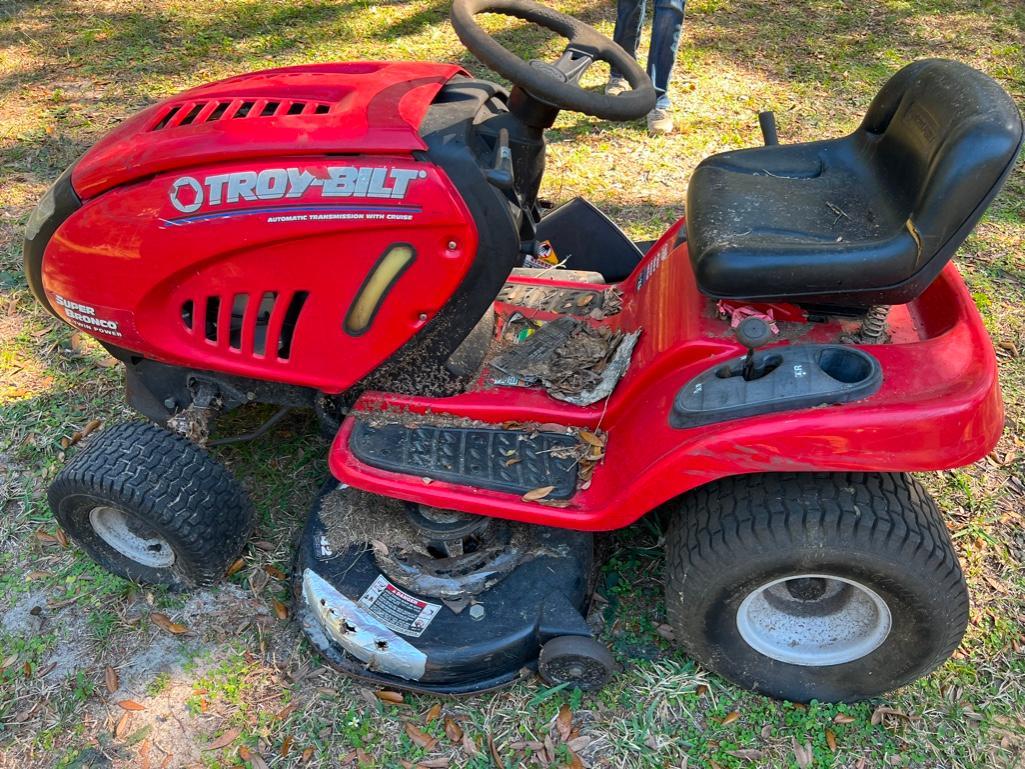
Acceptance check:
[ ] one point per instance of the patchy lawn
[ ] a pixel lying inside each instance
(91, 674)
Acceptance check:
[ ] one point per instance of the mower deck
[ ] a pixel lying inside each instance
(374, 596)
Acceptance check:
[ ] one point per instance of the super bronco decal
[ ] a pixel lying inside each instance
(189, 194)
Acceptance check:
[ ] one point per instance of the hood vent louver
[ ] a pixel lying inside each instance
(213, 110)
(260, 325)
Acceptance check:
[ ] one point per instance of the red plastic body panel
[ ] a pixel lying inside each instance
(371, 108)
(939, 406)
(129, 264)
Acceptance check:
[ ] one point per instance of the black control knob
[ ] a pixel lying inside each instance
(753, 333)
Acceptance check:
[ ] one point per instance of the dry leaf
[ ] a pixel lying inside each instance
(111, 679)
(666, 631)
(363, 758)
(130, 705)
(578, 743)
(274, 571)
(589, 437)
(469, 746)
(434, 763)
(564, 722)
(46, 669)
(225, 739)
(802, 754)
(494, 752)
(453, 730)
(256, 761)
(165, 623)
(144, 755)
(91, 426)
(748, 754)
(61, 537)
(843, 718)
(286, 745)
(882, 711)
(701, 690)
(419, 738)
(121, 729)
(433, 713)
(33, 575)
(286, 711)
(539, 493)
(730, 717)
(574, 761)
(281, 610)
(263, 545)
(237, 566)
(831, 740)
(307, 755)
(8, 662)
(46, 539)
(387, 696)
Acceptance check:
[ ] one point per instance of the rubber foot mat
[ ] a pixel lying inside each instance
(512, 461)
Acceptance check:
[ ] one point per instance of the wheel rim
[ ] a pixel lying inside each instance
(130, 538)
(814, 620)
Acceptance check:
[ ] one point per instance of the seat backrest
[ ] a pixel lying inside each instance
(944, 136)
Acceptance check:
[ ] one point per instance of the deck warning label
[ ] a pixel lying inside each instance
(397, 609)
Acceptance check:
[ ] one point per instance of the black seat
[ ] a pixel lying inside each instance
(870, 218)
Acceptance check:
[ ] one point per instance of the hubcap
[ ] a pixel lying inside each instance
(814, 620)
(130, 538)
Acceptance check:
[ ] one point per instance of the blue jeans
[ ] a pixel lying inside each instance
(665, 39)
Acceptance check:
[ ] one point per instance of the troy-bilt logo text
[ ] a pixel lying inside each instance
(188, 194)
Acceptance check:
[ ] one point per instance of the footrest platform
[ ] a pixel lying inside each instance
(512, 461)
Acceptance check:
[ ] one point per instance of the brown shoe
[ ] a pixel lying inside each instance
(660, 121)
(616, 86)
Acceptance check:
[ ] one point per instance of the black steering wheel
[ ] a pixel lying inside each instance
(556, 84)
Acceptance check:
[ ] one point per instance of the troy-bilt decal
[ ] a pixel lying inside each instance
(188, 194)
(85, 316)
(652, 266)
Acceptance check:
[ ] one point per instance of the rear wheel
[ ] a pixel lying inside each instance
(151, 506)
(834, 587)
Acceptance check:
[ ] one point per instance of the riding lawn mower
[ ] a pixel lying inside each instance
(501, 382)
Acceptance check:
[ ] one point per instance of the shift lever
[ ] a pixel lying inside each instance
(752, 333)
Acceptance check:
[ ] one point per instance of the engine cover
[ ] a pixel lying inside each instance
(314, 109)
(288, 225)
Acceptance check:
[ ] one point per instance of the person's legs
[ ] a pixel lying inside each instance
(629, 19)
(666, 24)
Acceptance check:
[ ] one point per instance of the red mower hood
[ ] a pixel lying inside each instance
(358, 107)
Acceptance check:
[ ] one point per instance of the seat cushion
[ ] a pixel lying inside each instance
(870, 218)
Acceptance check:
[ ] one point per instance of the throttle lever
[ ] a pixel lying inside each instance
(752, 333)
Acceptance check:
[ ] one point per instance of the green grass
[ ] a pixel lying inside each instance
(71, 69)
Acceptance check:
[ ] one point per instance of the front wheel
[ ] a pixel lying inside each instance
(835, 587)
(151, 506)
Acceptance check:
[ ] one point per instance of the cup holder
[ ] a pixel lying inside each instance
(845, 365)
(789, 377)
